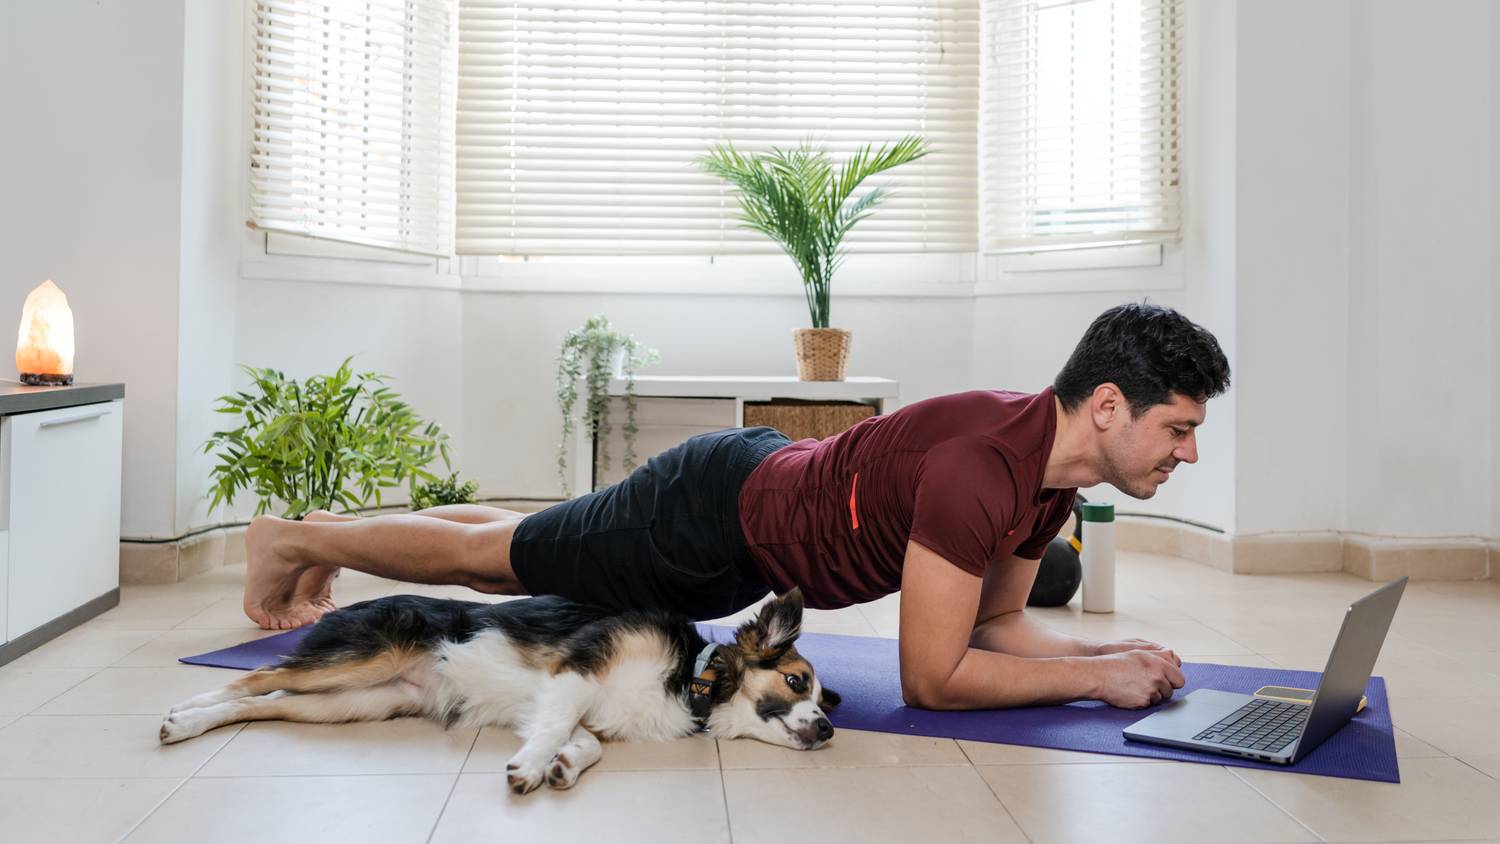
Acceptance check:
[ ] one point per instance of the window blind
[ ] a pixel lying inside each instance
(353, 116)
(1079, 122)
(579, 120)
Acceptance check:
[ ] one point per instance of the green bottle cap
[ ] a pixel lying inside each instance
(1099, 512)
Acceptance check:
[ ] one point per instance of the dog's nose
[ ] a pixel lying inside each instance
(825, 729)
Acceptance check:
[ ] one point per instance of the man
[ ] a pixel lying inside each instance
(951, 501)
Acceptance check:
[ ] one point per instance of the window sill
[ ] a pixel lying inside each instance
(295, 245)
(1145, 267)
(869, 275)
(943, 276)
(338, 271)
(1089, 258)
(278, 256)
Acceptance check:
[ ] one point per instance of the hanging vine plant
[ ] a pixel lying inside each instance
(589, 354)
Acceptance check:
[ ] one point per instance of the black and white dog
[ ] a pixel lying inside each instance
(562, 674)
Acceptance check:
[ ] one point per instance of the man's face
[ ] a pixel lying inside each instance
(1140, 453)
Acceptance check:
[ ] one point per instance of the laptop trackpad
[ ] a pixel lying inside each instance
(1186, 717)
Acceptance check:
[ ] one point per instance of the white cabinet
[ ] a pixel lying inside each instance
(4, 524)
(59, 512)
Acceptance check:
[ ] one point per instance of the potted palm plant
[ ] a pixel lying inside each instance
(798, 199)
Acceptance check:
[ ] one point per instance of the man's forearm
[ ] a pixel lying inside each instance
(1018, 634)
(988, 680)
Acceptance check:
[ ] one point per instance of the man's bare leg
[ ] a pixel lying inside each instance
(290, 565)
(316, 584)
(473, 514)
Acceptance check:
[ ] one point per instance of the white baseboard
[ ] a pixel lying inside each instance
(1370, 557)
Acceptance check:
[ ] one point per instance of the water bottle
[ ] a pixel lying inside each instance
(1098, 557)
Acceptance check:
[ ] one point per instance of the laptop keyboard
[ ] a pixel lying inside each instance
(1268, 725)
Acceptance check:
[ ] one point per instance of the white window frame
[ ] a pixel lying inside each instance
(260, 247)
(960, 50)
(1007, 88)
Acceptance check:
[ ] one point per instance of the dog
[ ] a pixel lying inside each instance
(562, 674)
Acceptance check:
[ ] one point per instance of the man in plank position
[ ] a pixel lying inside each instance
(951, 501)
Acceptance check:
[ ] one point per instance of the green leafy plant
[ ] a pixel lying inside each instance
(444, 491)
(588, 354)
(796, 198)
(331, 442)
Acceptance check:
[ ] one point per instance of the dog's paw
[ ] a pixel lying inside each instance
(182, 724)
(523, 778)
(562, 772)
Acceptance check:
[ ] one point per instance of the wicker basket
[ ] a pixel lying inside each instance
(822, 353)
(801, 420)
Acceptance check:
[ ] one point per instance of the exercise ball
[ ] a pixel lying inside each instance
(1061, 570)
(1058, 577)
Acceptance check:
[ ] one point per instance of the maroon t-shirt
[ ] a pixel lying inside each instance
(960, 474)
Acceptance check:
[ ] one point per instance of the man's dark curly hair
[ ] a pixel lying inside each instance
(1149, 352)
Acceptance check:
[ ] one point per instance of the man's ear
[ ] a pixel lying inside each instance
(1106, 404)
(774, 629)
(829, 699)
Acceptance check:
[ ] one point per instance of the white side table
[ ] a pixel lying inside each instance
(60, 456)
(680, 406)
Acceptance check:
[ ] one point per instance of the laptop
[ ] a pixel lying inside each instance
(1279, 730)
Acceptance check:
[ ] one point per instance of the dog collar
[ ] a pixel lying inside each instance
(701, 686)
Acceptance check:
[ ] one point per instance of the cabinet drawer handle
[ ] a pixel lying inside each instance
(82, 417)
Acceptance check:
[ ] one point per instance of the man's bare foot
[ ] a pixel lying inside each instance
(280, 593)
(317, 582)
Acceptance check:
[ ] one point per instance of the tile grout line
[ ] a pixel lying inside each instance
(456, 777)
(991, 789)
(1266, 797)
(1470, 765)
(81, 681)
(23, 666)
(185, 780)
(724, 790)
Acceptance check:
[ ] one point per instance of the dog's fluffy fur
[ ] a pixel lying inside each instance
(562, 674)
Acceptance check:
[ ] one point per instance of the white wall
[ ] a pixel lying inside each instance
(212, 155)
(1494, 237)
(91, 168)
(1421, 290)
(1291, 263)
(1204, 493)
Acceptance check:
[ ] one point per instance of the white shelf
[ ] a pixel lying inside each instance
(758, 387)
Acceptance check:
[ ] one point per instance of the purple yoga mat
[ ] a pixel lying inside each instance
(864, 671)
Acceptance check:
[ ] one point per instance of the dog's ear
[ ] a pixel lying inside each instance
(774, 629)
(829, 699)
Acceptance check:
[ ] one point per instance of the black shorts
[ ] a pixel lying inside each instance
(667, 537)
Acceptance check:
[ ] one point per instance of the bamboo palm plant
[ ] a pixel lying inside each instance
(798, 199)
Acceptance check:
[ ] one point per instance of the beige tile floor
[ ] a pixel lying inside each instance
(79, 759)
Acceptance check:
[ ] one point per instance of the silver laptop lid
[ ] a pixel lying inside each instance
(1350, 663)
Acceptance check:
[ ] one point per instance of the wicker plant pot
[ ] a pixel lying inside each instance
(822, 353)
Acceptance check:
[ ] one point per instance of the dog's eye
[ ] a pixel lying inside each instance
(798, 684)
